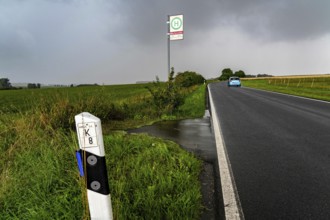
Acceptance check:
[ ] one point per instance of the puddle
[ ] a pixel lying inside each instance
(194, 135)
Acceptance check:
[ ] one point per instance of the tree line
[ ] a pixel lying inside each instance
(227, 72)
(5, 84)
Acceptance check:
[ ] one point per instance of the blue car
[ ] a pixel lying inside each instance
(234, 81)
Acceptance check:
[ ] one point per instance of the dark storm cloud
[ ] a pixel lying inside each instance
(67, 40)
(281, 20)
(145, 20)
(49, 39)
(301, 20)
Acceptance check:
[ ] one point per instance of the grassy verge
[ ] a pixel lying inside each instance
(149, 178)
(194, 105)
(37, 175)
(317, 87)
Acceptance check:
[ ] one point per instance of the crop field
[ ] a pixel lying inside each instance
(24, 99)
(317, 87)
(149, 178)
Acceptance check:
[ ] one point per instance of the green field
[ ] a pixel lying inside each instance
(25, 99)
(316, 87)
(149, 178)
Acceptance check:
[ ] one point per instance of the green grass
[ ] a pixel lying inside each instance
(149, 178)
(26, 99)
(37, 175)
(123, 105)
(194, 105)
(312, 87)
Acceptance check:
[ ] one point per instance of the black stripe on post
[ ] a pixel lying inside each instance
(96, 173)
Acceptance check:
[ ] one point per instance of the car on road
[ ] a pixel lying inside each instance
(234, 81)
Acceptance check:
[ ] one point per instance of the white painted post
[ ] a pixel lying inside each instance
(91, 144)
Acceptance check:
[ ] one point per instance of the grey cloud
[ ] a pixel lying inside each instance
(145, 21)
(282, 20)
(15, 45)
(302, 20)
(59, 40)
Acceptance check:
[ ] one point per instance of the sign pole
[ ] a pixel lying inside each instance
(92, 157)
(168, 47)
(174, 32)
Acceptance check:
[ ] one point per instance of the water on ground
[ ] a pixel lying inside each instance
(196, 136)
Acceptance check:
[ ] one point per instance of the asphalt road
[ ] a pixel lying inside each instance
(279, 150)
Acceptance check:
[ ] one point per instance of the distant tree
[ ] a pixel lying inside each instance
(31, 86)
(80, 85)
(264, 75)
(189, 78)
(38, 85)
(240, 74)
(226, 73)
(4, 83)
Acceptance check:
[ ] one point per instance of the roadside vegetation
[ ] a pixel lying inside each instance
(316, 87)
(227, 73)
(149, 178)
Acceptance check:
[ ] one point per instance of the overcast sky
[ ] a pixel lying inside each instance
(124, 41)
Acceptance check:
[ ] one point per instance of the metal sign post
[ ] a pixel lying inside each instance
(92, 154)
(174, 32)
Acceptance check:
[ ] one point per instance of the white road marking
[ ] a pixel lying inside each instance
(231, 201)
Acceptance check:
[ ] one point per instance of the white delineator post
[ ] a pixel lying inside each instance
(91, 145)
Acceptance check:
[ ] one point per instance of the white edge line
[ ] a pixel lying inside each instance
(230, 196)
(296, 96)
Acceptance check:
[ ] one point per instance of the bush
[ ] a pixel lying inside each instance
(189, 78)
(166, 97)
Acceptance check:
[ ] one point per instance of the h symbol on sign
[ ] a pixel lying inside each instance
(176, 23)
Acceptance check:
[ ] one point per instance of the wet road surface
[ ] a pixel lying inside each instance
(279, 150)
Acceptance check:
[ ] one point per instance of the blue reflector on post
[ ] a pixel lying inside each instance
(80, 163)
